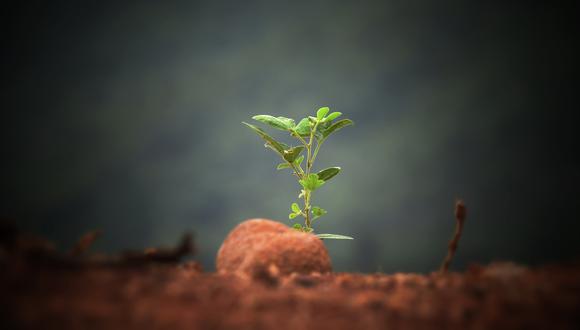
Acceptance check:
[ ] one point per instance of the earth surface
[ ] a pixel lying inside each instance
(41, 288)
(498, 296)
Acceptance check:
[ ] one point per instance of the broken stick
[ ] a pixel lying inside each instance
(460, 213)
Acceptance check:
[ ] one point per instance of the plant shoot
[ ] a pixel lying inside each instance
(311, 133)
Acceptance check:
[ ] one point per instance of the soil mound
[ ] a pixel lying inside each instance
(259, 245)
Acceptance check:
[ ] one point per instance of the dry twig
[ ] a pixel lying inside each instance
(460, 213)
(84, 243)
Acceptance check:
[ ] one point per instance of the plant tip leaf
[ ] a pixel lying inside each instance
(322, 112)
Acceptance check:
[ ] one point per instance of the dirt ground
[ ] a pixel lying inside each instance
(499, 296)
(42, 288)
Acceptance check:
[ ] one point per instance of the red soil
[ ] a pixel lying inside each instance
(258, 247)
(43, 289)
(500, 296)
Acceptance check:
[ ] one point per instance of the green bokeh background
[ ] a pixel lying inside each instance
(127, 117)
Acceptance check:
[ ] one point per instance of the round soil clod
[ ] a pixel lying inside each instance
(258, 245)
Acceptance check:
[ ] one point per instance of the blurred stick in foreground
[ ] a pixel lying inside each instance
(460, 213)
(84, 243)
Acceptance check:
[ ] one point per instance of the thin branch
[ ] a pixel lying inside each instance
(84, 243)
(318, 144)
(460, 214)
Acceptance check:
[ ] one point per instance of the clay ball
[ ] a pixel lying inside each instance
(259, 245)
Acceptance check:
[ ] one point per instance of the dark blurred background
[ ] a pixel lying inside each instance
(125, 116)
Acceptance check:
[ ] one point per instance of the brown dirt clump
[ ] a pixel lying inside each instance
(261, 247)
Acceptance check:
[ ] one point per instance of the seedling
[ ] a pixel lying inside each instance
(311, 132)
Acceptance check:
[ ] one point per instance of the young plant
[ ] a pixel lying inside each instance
(311, 133)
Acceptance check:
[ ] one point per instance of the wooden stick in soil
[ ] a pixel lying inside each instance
(460, 213)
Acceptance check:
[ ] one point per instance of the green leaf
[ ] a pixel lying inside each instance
(321, 113)
(284, 145)
(292, 215)
(289, 122)
(321, 128)
(303, 127)
(328, 173)
(282, 166)
(324, 125)
(280, 144)
(332, 236)
(281, 123)
(318, 184)
(311, 182)
(291, 154)
(270, 142)
(318, 135)
(297, 226)
(298, 161)
(295, 208)
(333, 116)
(318, 212)
(336, 126)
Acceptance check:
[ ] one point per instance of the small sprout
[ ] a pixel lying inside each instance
(296, 211)
(312, 182)
(311, 132)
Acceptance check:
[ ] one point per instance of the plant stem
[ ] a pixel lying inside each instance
(309, 163)
(297, 170)
(309, 147)
(306, 191)
(307, 208)
(301, 139)
(316, 150)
